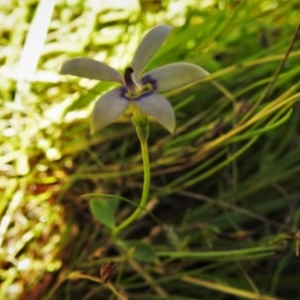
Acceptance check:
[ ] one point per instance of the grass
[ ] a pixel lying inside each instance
(223, 216)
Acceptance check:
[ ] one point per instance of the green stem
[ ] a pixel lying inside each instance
(142, 131)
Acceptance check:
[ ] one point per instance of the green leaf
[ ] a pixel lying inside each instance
(104, 211)
(141, 251)
(260, 131)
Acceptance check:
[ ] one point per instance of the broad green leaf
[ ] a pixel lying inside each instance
(141, 251)
(103, 211)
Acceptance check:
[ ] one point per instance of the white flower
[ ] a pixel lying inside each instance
(136, 89)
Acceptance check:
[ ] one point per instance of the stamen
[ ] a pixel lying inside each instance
(130, 85)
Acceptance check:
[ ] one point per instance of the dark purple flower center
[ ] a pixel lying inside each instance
(132, 91)
(147, 80)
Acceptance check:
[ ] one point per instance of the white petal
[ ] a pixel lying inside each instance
(158, 107)
(92, 69)
(148, 46)
(174, 76)
(107, 109)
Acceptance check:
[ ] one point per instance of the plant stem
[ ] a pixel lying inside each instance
(142, 132)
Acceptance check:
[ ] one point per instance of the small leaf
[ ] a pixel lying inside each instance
(141, 251)
(103, 211)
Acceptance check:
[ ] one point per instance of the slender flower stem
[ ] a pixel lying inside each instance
(142, 128)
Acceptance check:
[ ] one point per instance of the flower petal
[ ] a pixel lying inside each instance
(92, 69)
(158, 107)
(107, 108)
(174, 76)
(148, 46)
